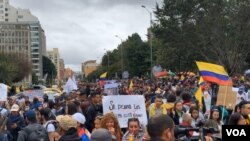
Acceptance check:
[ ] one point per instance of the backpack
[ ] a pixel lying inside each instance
(84, 136)
(36, 133)
(54, 122)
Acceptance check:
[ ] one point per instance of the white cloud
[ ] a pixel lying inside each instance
(82, 29)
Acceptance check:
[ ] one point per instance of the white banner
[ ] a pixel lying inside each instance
(3, 92)
(70, 85)
(125, 107)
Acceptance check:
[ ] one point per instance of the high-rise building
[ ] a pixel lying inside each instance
(89, 66)
(54, 56)
(15, 38)
(62, 68)
(12, 15)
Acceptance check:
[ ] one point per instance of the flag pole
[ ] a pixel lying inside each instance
(224, 103)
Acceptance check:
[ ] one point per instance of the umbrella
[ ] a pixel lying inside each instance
(247, 73)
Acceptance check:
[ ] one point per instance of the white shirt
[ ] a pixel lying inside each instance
(50, 127)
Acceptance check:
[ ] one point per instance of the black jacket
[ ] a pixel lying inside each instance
(92, 112)
(70, 135)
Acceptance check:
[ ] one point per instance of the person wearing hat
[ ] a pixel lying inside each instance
(34, 131)
(67, 128)
(15, 121)
(82, 132)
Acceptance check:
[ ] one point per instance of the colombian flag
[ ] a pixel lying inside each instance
(214, 73)
(198, 93)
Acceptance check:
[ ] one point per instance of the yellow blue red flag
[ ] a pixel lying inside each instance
(213, 73)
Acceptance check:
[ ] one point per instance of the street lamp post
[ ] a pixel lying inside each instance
(150, 40)
(121, 51)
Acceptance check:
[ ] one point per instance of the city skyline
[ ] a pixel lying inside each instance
(91, 24)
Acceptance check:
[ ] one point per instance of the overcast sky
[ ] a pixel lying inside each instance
(82, 29)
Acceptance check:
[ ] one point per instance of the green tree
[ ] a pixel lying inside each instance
(136, 59)
(216, 31)
(49, 69)
(14, 67)
(136, 56)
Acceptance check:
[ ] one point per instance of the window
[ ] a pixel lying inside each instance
(6, 14)
(6, 20)
(20, 16)
(6, 9)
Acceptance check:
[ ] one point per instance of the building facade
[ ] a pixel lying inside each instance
(61, 69)
(54, 56)
(12, 15)
(89, 67)
(15, 38)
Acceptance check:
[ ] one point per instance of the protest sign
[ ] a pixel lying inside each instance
(125, 107)
(3, 92)
(111, 89)
(34, 93)
(227, 96)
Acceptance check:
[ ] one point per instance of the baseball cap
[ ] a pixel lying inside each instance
(101, 134)
(79, 118)
(66, 122)
(15, 108)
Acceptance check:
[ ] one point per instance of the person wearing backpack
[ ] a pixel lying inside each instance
(82, 131)
(34, 131)
(67, 128)
(49, 122)
(15, 121)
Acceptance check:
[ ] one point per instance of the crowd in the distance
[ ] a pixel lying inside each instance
(170, 103)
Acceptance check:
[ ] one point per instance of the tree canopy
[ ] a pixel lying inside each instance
(215, 31)
(14, 67)
(49, 69)
(185, 31)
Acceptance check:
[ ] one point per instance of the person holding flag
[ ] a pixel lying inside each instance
(216, 74)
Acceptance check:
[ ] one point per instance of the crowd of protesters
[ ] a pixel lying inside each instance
(78, 116)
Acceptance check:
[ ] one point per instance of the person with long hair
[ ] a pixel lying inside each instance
(110, 122)
(194, 112)
(177, 113)
(216, 115)
(97, 122)
(135, 132)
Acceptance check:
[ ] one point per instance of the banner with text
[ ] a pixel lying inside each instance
(125, 107)
(3, 92)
